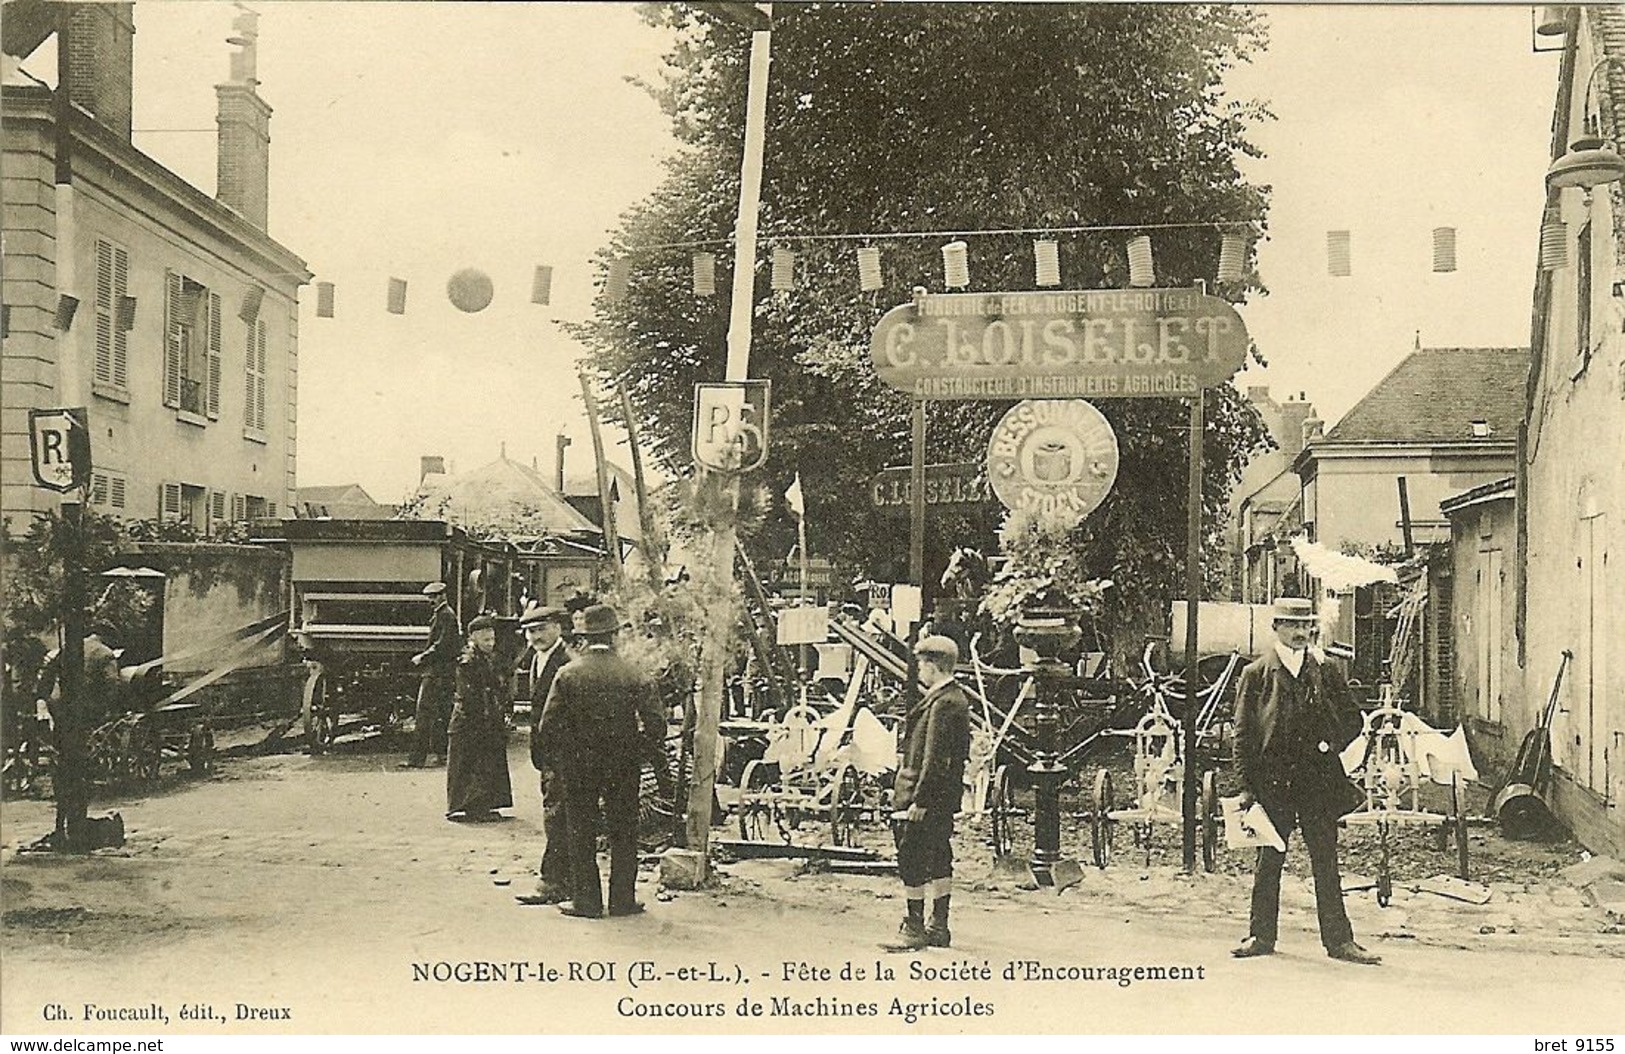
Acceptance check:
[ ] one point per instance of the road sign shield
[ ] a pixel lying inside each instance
(59, 442)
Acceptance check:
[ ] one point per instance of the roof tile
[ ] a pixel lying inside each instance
(1436, 394)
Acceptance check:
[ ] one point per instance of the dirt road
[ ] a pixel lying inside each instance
(297, 894)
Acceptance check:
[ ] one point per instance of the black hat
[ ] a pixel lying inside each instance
(479, 622)
(536, 614)
(600, 620)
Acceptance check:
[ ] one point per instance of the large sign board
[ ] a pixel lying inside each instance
(59, 443)
(730, 425)
(1096, 344)
(1053, 457)
(950, 487)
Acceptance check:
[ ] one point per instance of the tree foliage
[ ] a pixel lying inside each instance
(897, 118)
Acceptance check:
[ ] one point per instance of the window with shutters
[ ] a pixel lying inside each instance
(115, 491)
(255, 507)
(113, 318)
(98, 488)
(254, 388)
(169, 501)
(239, 508)
(184, 503)
(217, 508)
(191, 347)
(107, 490)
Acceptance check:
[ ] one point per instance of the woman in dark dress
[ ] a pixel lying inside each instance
(477, 742)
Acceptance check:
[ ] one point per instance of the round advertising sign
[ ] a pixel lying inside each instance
(1052, 457)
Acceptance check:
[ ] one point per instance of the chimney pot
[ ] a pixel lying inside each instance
(430, 464)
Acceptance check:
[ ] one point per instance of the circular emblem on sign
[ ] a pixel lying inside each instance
(1052, 457)
(470, 290)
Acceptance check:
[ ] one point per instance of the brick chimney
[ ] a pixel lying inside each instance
(1294, 414)
(1313, 429)
(244, 157)
(429, 465)
(101, 56)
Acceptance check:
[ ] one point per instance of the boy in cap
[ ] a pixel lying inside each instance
(927, 793)
(1294, 716)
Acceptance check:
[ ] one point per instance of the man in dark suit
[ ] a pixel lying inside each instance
(543, 659)
(929, 788)
(1294, 716)
(600, 724)
(439, 665)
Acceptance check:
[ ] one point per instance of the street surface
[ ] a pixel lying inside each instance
(328, 895)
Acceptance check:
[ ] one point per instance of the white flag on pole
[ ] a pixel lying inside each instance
(792, 497)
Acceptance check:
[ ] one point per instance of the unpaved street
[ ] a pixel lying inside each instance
(328, 894)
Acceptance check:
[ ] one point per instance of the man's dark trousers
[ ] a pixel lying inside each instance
(555, 867)
(434, 710)
(611, 794)
(1320, 839)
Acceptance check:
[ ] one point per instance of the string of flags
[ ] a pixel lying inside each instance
(471, 290)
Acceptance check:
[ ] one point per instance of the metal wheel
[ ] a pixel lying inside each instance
(845, 804)
(1001, 809)
(1210, 820)
(753, 812)
(145, 753)
(200, 750)
(1100, 824)
(1458, 810)
(319, 719)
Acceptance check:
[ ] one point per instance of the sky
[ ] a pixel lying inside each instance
(413, 140)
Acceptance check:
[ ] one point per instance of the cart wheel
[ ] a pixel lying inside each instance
(1458, 809)
(753, 812)
(846, 802)
(1210, 820)
(1001, 809)
(1100, 824)
(200, 750)
(318, 719)
(146, 753)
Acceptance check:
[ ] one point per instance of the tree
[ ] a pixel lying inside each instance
(886, 119)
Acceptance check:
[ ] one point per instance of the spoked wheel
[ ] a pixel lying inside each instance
(319, 719)
(845, 805)
(1001, 807)
(1385, 878)
(1100, 824)
(200, 750)
(1210, 820)
(753, 809)
(1458, 809)
(145, 753)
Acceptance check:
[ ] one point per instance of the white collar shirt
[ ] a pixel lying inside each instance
(1292, 660)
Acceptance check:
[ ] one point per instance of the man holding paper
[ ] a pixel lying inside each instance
(1294, 716)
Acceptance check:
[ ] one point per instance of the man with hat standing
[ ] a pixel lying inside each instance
(439, 663)
(1294, 716)
(600, 724)
(927, 793)
(477, 737)
(546, 656)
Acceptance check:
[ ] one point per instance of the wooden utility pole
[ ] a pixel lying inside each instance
(653, 558)
(1193, 598)
(612, 537)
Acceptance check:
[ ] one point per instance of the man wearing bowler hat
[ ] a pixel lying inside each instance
(1294, 716)
(439, 665)
(927, 793)
(544, 632)
(600, 724)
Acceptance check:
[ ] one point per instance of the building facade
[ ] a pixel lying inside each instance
(171, 316)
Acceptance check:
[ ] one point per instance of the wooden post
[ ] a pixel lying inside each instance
(916, 545)
(612, 538)
(652, 556)
(1405, 518)
(1193, 597)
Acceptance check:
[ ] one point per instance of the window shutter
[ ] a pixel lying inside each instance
(214, 357)
(121, 336)
(172, 345)
(259, 392)
(116, 492)
(104, 312)
(239, 508)
(217, 507)
(270, 509)
(98, 488)
(169, 501)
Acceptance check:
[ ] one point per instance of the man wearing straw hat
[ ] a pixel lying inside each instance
(1294, 716)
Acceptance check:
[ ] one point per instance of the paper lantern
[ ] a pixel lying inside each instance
(541, 285)
(66, 307)
(1232, 257)
(1339, 257)
(1554, 242)
(1444, 249)
(616, 279)
(869, 278)
(1140, 270)
(324, 299)
(956, 265)
(126, 312)
(470, 290)
(705, 274)
(397, 296)
(253, 297)
(1047, 262)
(784, 270)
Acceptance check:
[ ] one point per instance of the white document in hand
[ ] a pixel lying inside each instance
(1250, 827)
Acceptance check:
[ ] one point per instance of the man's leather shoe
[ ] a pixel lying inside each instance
(1350, 952)
(1252, 947)
(577, 913)
(937, 935)
(621, 910)
(910, 937)
(544, 896)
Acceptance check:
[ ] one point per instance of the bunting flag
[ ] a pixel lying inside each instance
(126, 312)
(1554, 242)
(705, 274)
(1339, 254)
(1047, 262)
(397, 296)
(1232, 257)
(869, 278)
(1444, 250)
(324, 299)
(617, 279)
(1141, 273)
(541, 285)
(784, 270)
(253, 297)
(792, 498)
(956, 265)
(66, 307)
